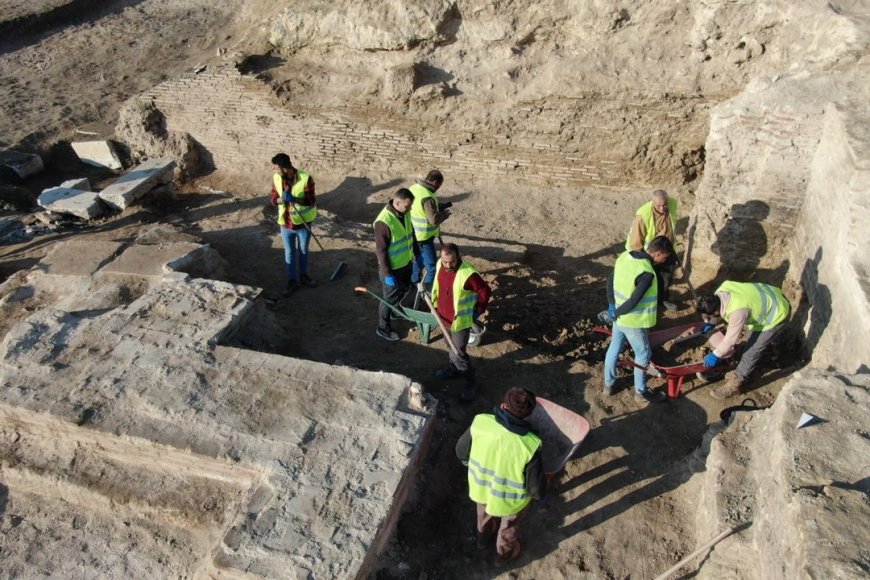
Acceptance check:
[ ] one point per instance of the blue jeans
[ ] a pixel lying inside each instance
(426, 259)
(295, 241)
(638, 338)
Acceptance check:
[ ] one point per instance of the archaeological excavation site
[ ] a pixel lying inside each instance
(218, 364)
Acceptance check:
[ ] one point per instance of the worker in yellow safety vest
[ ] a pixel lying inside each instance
(632, 295)
(505, 471)
(657, 217)
(427, 215)
(761, 308)
(293, 195)
(395, 248)
(460, 296)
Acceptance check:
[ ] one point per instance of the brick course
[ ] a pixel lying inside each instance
(241, 122)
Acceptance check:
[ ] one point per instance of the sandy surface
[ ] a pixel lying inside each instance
(618, 509)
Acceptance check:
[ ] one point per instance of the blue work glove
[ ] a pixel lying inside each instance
(390, 280)
(707, 327)
(611, 311)
(711, 360)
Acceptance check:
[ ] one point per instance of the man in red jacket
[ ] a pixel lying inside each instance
(460, 296)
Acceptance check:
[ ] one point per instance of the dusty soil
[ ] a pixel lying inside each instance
(66, 64)
(618, 509)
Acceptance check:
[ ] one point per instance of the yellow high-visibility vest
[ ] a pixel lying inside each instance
(646, 213)
(626, 271)
(767, 305)
(464, 300)
(401, 249)
(497, 464)
(300, 213)
(423, 230)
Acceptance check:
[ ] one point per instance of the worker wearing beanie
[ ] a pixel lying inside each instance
(505, 470)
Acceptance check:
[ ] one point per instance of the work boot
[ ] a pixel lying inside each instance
(291, 287)
(729, 388)
(309, 282)
(447, 373)
(608, 390)
(503, 559)
(668, 305)
(387, 335)
(648, 396)
(469, 391)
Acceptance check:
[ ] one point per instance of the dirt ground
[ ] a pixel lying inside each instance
(618, 510)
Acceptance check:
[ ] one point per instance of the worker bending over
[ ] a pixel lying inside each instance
(632, 295)
(505, 471)
(426, 215)
(657, 217)
(395, 248)
(760, 307)
(460, 295)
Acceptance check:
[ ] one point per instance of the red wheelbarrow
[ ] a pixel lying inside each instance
(660, 337)
(675, 375)
(561, 431)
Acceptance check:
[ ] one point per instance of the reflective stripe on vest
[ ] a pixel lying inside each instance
(423, 230)
(497, 464)
(401, 250)
(464, 300)
(626, 271)
(301, 213)
(767, 305)
(646, 212)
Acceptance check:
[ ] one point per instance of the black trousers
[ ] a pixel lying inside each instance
(393, 295)
(664, 275)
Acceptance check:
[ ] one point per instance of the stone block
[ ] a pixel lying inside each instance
(98, 154)
(142, 179)
(149, 261)
(78, 258)
(23, 164)
(81, 183)
(83, 204)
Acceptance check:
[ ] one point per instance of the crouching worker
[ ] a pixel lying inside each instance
(761, 308)
(505, 471)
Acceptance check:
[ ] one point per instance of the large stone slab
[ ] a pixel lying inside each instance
(142, 179)
(81, 183)
(98, 154)
(23, 164)
(151, 260)
(804, 490)
(240, 463)
(78, 257)
(83, 204)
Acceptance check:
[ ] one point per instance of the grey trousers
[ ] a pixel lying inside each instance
(756, 346)
(461, 363)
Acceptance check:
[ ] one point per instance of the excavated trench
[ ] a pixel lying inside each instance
(551, 129)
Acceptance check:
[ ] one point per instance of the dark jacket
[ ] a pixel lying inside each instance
(534, 471)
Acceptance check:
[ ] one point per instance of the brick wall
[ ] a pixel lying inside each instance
(785, 199)
(830, 262)
(242, 123)
(754, 183)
